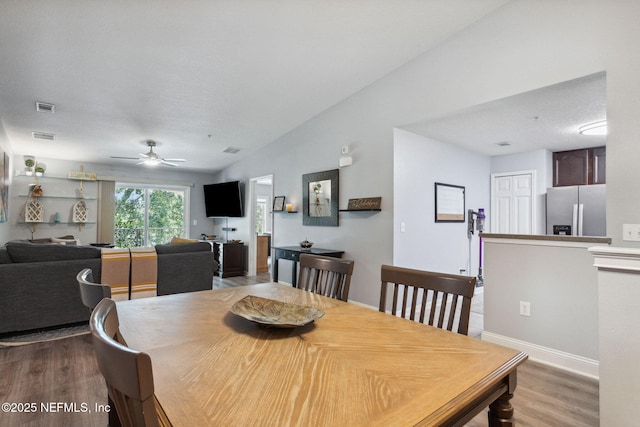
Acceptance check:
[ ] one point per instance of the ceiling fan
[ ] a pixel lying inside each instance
(151, 158)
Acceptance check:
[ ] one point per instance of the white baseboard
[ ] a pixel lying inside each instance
(549, 356)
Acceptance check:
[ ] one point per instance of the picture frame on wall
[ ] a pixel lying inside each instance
(449, 203)
(4, 187)
(320, 195)
(278, 203)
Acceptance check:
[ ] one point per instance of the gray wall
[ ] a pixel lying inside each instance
(523, 46)
(558, 281)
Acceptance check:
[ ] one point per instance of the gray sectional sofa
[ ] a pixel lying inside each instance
(38, 287)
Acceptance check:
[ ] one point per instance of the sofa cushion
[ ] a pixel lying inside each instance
(183, 247)
(28, 252)
(4, 256)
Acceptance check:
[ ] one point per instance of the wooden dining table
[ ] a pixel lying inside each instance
(352, 367)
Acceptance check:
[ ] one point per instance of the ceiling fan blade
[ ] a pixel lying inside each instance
(175, 160)
(165, 162)
(125, 158)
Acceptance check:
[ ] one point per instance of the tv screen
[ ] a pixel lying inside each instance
(223, 200)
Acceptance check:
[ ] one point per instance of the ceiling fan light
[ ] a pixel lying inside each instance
(598, 128)
(151, 161)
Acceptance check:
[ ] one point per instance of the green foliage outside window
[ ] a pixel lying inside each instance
(162, 210)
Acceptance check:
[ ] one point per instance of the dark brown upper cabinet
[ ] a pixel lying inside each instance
(579, 167)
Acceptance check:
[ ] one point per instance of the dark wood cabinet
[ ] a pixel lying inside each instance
(579, 167)
(230, 257)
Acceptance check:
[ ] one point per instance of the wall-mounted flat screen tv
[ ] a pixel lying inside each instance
(223, 199)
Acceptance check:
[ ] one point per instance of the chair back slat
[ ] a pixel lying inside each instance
(446, 297)
(326, 276)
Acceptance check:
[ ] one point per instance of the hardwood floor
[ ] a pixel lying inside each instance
(65, 371)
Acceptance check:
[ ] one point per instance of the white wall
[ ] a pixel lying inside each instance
(541, 162)
(56, 167)
(419, 162)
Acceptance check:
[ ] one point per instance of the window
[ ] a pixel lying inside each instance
(261, 215)
(149, 215)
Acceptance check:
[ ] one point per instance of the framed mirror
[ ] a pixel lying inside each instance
(320, 196)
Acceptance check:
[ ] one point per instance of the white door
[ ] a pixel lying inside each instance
(512, 203)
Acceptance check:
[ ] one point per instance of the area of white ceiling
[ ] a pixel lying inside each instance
(198, 76)
(546, 118)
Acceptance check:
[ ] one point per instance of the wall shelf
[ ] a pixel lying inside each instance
(74, 224)
(59, 197)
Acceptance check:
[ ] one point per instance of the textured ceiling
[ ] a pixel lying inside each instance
(547, 118)
(198, 76)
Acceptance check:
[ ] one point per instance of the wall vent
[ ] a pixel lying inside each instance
(44, 107)
(43, 135)
(231, 150)
(503, 144)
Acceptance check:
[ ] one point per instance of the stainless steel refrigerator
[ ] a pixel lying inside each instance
(577, 210)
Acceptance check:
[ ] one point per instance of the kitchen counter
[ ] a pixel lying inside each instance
(550, 238)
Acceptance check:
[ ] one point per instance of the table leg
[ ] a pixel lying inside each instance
(294, 270)
(501, 410)
(275, 267)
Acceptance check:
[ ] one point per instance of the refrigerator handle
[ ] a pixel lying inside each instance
(580, 218)
(574, 224)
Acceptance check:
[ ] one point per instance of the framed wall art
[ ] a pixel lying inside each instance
(320, 194)
(4, 187)
(278, 203)
(449, 203)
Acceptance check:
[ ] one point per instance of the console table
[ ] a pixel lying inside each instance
(292, 253)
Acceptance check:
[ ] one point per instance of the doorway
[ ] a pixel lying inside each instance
(261, 225)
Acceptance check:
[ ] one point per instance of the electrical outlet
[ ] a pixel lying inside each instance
(525, 308)
(631, 232)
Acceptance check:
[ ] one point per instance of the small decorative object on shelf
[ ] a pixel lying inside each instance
(305, 244)
(35, 190)
(29, 163)
(40, 168)
(364, 204)
(80, 213)
(278, 203)
(289, 207)
(34, 212)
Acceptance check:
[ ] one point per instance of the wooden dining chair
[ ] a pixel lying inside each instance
(91, 293)
(127, 372)
(417, 292)
(326, 276)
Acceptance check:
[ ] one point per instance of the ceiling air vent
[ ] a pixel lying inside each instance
(43, 135)
(44, 107)
(503, 144)
(231, 150)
